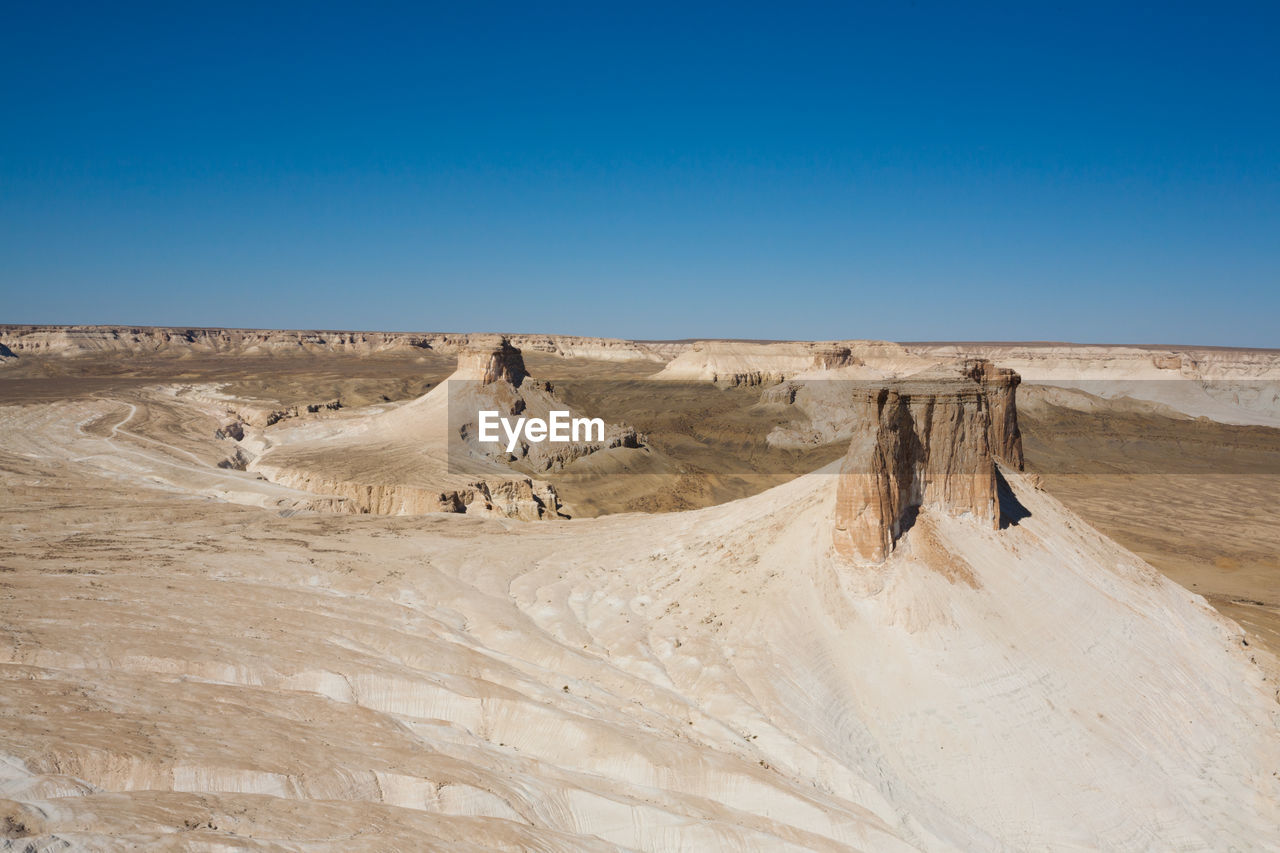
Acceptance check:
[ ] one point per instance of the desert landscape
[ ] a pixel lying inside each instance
(265, 590)
(652, 428)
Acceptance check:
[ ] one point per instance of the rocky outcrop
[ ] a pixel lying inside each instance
(491, 359)
(1000, 385)
(267, 415)
(493, 376)
(926, 443)
(521, 498)
(835, 356)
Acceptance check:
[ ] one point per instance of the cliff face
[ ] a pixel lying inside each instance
(1000, 386)
(74, 341)
(928, 443)
(491, 360)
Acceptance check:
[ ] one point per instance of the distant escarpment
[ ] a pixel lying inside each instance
(74, 341)
(928, 443)
(741, 363)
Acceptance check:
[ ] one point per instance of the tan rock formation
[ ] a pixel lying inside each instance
(930, 443)
(491, 374)
(491, 359)
(1001, 386)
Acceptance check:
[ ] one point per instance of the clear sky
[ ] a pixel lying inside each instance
(1102, 172)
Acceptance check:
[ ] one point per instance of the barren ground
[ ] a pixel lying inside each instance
(183, 672)
(1197, 499)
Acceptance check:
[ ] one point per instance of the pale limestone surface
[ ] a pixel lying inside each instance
(196, 658)
(718, 679)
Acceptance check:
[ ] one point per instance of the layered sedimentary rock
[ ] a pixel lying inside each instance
(1000, 385)
(73, 341)
(490, 359)
(928, 443)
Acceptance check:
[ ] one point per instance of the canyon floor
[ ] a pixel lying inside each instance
(198, 657)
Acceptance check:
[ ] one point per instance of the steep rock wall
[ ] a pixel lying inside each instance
(1000, 385)
(491, 359)
(926, 444)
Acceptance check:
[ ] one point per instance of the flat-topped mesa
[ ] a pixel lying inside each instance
(835, 356)
(491, 360)
(1001, 385)
(925, 443)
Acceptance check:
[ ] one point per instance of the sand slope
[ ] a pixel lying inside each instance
(706, 680)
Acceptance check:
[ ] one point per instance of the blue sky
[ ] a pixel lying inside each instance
(911, 171)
